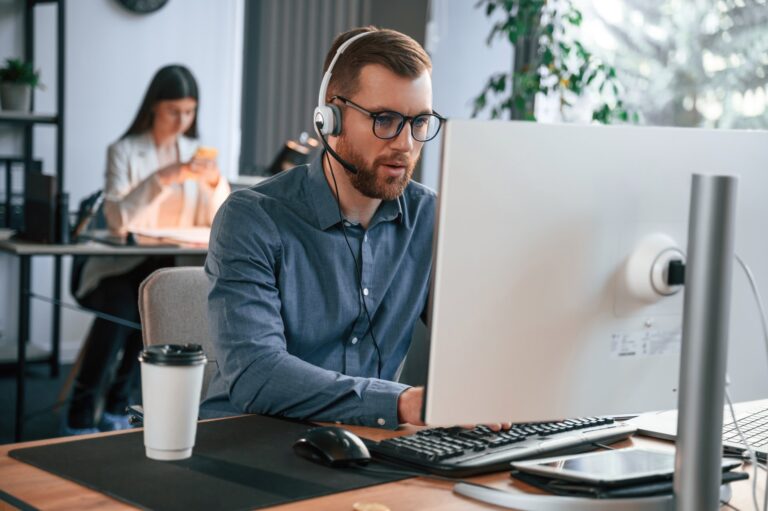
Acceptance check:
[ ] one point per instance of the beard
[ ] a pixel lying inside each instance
(367, 181)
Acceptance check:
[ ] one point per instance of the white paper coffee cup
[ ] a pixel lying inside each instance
(171, 381)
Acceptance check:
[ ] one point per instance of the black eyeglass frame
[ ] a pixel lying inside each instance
(401, 125)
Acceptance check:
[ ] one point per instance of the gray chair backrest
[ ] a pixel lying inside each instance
(173, 305)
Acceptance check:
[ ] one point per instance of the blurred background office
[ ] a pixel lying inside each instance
(258, 63)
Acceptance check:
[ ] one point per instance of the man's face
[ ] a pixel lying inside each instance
(384, 166)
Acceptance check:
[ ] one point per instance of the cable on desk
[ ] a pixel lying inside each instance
(764, 324)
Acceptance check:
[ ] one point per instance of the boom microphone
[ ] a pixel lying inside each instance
(344, 163)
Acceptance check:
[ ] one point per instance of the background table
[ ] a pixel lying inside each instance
(24, 251)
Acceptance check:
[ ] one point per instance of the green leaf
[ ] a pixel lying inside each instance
(547, 57)
(480, 102)
(500, 83)
(601, 114)
(19, 71)
(512, 35)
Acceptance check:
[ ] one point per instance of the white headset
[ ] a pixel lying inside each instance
(327, 116)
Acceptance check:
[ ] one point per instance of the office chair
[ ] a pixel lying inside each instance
(173, 306)
(90, 215)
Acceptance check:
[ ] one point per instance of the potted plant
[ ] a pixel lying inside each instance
(548, 60)
(17, 79)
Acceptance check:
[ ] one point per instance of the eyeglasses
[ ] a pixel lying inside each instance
(388, 125)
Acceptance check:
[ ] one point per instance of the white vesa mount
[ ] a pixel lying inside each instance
(647, 268)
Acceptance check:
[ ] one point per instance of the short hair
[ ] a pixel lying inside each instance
(394, 50)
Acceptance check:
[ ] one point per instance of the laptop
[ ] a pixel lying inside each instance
(752, 417)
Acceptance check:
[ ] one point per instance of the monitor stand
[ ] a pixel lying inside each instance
(706, 312)
(529, 502)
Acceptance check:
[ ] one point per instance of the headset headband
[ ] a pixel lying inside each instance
(328, 73)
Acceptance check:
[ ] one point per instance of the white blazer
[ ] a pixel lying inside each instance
(134, 198)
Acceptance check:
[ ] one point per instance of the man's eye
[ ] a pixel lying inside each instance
(385, 121)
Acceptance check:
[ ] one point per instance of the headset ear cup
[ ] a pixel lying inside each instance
(335, 120)
(324, 116)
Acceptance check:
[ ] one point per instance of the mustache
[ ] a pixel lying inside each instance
(400, 160)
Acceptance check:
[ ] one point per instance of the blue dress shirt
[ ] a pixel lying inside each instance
(285, 307)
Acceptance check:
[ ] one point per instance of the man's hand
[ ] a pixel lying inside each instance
(409, 406)
(409, 410)
(493, 426)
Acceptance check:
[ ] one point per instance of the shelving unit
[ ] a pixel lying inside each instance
(26, 121)
(27, 118)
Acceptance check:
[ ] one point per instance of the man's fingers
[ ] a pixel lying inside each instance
(497, 426)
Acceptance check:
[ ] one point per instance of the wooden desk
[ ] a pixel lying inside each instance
(25, 250)
(44, 490)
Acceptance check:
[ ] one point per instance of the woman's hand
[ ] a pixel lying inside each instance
(171, 174)
(204, 170)
(201, 169)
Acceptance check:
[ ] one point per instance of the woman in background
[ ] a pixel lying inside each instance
(156, 178)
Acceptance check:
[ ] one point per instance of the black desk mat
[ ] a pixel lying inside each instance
(242, 463)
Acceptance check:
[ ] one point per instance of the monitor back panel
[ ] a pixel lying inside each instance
(530, 315)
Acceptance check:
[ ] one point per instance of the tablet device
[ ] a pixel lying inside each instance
(609, 468)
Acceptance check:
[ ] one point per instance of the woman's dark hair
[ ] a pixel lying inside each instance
(170, 82)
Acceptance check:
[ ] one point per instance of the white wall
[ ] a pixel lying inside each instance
(461, 64)
(111, 55)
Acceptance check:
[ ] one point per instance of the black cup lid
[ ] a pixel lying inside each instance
(173, 354)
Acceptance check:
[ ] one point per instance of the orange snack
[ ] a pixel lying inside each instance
(207, 153)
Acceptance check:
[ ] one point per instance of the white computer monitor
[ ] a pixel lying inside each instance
(531, 314)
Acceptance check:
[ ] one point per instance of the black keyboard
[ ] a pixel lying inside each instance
(460, 452)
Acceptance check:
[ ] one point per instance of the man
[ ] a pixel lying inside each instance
(319, 275)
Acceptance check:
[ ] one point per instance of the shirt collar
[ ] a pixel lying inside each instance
(324, 202)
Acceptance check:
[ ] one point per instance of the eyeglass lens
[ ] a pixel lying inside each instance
(389, 124)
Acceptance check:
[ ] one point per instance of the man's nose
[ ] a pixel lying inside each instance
(403, 141)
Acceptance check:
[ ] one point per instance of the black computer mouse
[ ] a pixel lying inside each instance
(332, 446)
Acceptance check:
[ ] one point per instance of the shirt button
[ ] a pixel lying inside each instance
(381, 421)
(354, 340)
(365, 291)
(365, 238)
